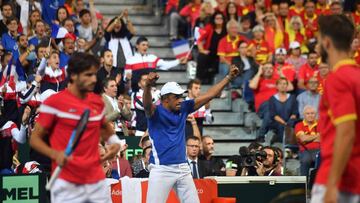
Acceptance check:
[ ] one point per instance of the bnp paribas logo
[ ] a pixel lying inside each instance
(20, 189)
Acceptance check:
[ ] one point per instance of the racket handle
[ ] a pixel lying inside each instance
(53, 178)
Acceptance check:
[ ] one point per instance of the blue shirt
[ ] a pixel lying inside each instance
(64, 59)
(49, 8)
(167, 134)
(9, 42)
(34, 41)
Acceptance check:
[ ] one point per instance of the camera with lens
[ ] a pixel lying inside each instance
(250, 158)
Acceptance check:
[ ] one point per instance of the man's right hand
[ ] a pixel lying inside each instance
(152, 78)
(60, 158)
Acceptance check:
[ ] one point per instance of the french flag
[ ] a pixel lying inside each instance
(58, 32)
(12, 74)
(180, 48)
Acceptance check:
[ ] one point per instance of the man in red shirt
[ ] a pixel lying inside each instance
(321, 75)
(356, 13)
(282, 68)
(82, 178)
(310, 21)
(297, 9)
(308, 70)
(338, 178)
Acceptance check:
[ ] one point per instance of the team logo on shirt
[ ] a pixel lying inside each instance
(72, 110)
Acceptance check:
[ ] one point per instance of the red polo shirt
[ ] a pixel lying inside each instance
(311, 26)
(356, 17)
(293, 11)
(321, 83)
(228, 47)
(263, 51)
(303, 127)
(339, 104)
(306, 72)
(322, 10)
(265, 90)
(288, 71)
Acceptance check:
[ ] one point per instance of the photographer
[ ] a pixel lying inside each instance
(271, 162)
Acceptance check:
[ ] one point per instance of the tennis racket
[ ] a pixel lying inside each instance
(72, 144)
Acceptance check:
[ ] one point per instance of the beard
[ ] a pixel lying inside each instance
(323, 54)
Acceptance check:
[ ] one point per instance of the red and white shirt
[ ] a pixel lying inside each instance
(59, 115)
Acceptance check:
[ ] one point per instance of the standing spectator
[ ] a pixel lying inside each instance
(55, 75)
(356, 13)
(310, 21)
(61, 14)
(283, 109)
(214, 166)
(192, 153)
(274, 36)
(311, 97)
(205, 16)
(260, 46)
(228, 47)
(27, 9)
(308, 70)
(68, 50)
(34, 16)
(40, 33)
(296, 32)
(336, 8)
(221, 6)
(308, 138)
(283, 18)
(295, 57)
(245, 27)
(322, 7)
(6, 12)
(282, 68)
(118, 35)
(142, 62)
(8, 39)
(87, 28)
(208, 60)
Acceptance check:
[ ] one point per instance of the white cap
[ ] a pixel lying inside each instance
(280, 51)
(294, 45)
(172, 88)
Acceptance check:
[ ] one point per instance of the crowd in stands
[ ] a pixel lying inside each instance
(273, 43)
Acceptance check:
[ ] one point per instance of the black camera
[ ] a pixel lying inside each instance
(250, 159)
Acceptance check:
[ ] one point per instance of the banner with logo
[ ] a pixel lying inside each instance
(133, 146)
(207, 191)
(23, 188)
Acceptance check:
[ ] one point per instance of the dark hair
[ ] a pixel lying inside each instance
(6, 4)
(123, 32)
(343, 35)
(144, 150)
(10, 19)
(141, 39)
(192, 138)
(38, 21)
(213, 19)
(282, 79)
(57, 13)
(66, 19)
(144, 139)
(80, 62)
(245, 18)
(42, 44)
(106, 82)
(255, 146)
(276, 154)
(102, 54)
(192, 82)
(312, 51)
(336, 3)
(19, 36)
(227, 11)
(83, 12)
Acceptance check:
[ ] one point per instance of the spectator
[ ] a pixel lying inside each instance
(55, 76)
(248, 68)
(215, 166)
(49, 10)
(61, 14)
(322, 7)
(35, 15)
(6, 12)
(228, 48)
(185, 18)
(281, 68)
(142, 62)
(260, 47)
(356, 13)
(297, 9)
(283, 109)
(192, 153)
(283, 18)
(126, 125)
(106, 164)
(245, 27)
(122, 165)
(88, 26)
(205, 16)
(232, 12)
(324, 70)
(270, 164)
(310, 21)
(113, 112)
(27, 9)
(308, 70)
(203, 113)
(68, 50)
(140, 166)
(336, 8)
(208, 60)
(295, 57)
(118, 35)
(221, 6)
(8, 39)
(40, 34)
(309, 140)
(296, 32)
(273, 33)
(311, 97)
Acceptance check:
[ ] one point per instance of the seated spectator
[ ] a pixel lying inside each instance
(140, 166)
(295, 59)
(8, 39)
(113, 112)
(228, 48)
(221, 6)
(232, 12)
(245, 27)
(185, 18)
(68, 50)
(297, 9)
(142, 62)
(283, 109)
(34, 16)
(214, 166)
(283, 69)
(260, 47)
(311, 97)
(192, 153)
(324, 70)
(27, 8)
(296, 32)
(118, 35)
(121, 165)
(208, 60)
(309, 140)
(202, 114)
(7, 13)
(322, 7)
(308, 70)
(126, 125)
(336, 8)
(310, 21)
(39, 33)
(61, 14)
(55, 76)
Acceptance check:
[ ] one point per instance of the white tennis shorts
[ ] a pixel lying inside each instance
(318, 193)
